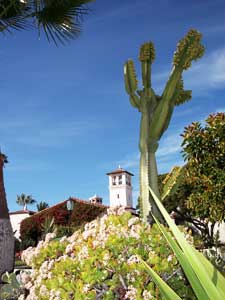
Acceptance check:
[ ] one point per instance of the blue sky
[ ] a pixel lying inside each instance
(65, 119)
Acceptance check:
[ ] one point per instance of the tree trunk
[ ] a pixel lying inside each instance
(7, 241)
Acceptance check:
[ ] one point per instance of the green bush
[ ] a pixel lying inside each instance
(100, 262)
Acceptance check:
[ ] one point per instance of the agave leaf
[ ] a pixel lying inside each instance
(193, 279)
(217, 277)
(202, 270)
(165, 289)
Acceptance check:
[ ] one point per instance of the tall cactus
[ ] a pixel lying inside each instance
(156, 111)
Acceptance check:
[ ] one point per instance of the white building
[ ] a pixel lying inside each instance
(16, 218)
(120, 193)
(120, 188)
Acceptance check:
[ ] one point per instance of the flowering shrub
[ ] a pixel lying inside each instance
(100, 262)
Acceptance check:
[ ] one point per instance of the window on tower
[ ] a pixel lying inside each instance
(128, 180)
(120, 179)
(118, 195)
(114, 180)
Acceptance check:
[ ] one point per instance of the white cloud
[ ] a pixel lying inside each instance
(169, 145)
(42, 133)
(209, 72)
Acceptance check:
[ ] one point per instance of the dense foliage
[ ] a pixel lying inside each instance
(204, 150)
(100, 262)
(32, 228)
(200, 199)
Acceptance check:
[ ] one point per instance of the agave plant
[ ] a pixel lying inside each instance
(207, 282)
(59, 19)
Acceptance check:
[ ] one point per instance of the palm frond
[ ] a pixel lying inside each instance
(60, 20)
(13, 15)
(3, 157)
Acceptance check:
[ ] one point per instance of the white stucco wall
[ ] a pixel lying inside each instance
(220, 227)
(120, 194)
(16, 220)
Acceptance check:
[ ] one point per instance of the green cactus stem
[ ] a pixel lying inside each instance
(172, 181)
(156, 111)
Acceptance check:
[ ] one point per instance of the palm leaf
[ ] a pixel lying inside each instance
(12, 15)
(60, 20)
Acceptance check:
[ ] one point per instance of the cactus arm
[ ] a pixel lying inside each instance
(172, 181)
(131, 83)
(160, 123)
(135, 101)
(184, 97)
(188, 49)
(146, 74)
(181, 96)
(146, 57)
(165, 106)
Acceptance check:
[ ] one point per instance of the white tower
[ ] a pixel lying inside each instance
(120, 188)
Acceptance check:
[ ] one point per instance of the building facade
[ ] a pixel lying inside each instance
(120, 188)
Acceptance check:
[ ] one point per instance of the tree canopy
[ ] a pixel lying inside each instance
(199, 197)
(42, 205)
(204, 151)
(24, 200)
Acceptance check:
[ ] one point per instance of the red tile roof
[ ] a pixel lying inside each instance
(75, 200)
(30, 212)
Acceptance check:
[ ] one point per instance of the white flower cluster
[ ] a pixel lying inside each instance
(99, 230)
(28, 254)
(147, 295)
(131, 293)
(78, 248)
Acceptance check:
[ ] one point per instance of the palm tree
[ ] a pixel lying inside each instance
(60, 20)
(42, 205)
(6, 234)
(25, 200)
